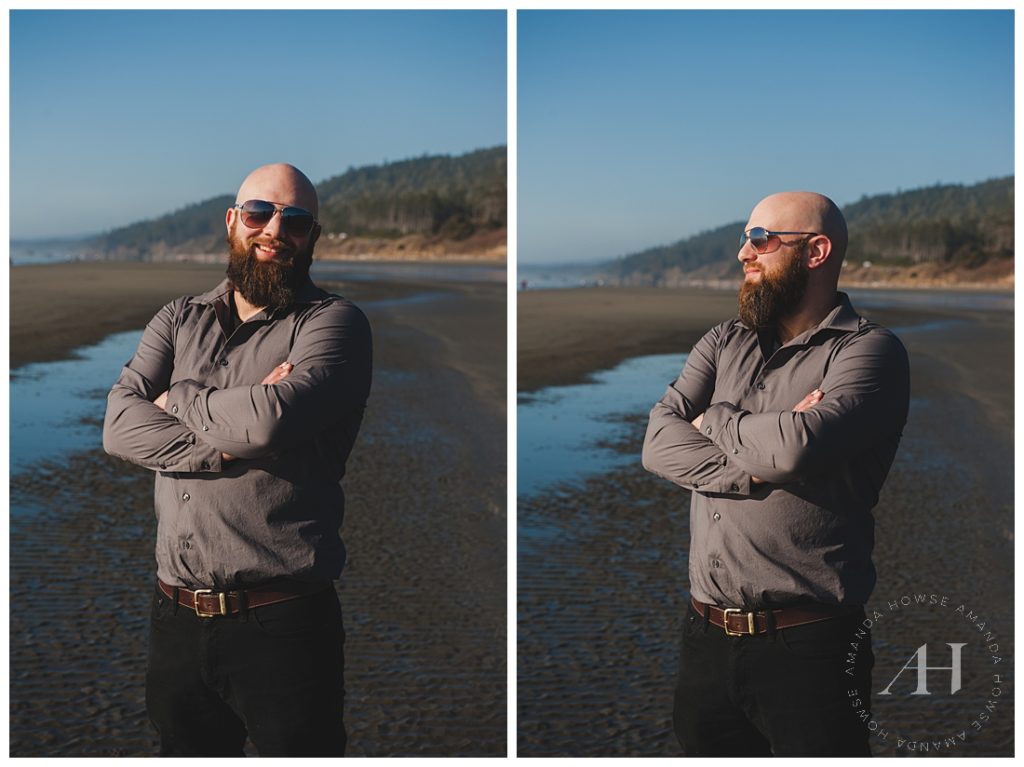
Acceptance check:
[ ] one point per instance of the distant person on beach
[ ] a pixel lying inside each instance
(246, 401)
(783, 425)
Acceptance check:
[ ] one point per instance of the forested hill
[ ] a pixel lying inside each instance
(921, 234)
(440, 196)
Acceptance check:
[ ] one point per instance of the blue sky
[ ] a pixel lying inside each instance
(120, 116)
(640, 128)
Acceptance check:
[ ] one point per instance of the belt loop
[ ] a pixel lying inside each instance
(243, 606)
(174, 601)
(769, 619)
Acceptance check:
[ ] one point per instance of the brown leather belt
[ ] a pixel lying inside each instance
(739, 622)
(208, 603)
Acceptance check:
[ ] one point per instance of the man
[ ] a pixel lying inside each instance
(783, 424)
(246, 402)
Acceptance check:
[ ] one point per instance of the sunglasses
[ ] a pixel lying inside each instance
(256, 214)
(763, 241)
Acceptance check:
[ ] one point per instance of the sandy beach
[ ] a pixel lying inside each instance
(424, 590)
(602, 566)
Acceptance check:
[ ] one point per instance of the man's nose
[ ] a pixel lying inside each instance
(746, 253)
(275, 226)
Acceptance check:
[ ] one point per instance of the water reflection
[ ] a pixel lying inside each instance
(563, 430)
(56, 407)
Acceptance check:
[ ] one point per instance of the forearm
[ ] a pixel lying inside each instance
(136, 430)
(675, 450)
(327, 379)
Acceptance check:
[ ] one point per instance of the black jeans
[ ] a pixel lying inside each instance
(276, 674)
(782, 695)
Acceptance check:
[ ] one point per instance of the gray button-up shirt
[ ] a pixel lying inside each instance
(275, 510)
(806, 533)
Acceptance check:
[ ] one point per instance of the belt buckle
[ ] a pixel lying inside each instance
(203, 614)
(751, 629)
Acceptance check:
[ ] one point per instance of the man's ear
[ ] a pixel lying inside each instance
(315, 234)
(819, 248)
(229, 217)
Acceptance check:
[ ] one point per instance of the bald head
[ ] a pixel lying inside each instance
(282, 184)
(804, 212)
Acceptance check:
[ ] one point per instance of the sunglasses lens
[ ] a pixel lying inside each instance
(297, 222)
(256, 213)
(758, 237)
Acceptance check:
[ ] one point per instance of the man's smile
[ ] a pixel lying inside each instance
(269, 252)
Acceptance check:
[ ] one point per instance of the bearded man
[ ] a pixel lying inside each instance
(783, 426)
(246, 401)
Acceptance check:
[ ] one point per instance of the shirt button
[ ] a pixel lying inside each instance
(735, 451)
(185, 496)
(174, 408)
(186, 545)
(760, 384)
(205, 427)
(715, 563)
(223, 362)
(707, 430)
(735, 487)
(717, 516)
(163, 466)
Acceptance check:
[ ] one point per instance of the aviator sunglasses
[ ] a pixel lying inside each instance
(763, 241)
(256, 214)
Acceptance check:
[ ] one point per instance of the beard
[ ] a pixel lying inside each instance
(762, 303)
(267, 283)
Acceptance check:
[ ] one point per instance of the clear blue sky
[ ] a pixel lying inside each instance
(640, 128)
(118, 116)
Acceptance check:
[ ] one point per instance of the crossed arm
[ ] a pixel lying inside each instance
(721, 448)
(188, 426)
(803, 405)
(274, 376)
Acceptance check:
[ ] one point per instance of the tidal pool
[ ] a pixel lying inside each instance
(564, 431)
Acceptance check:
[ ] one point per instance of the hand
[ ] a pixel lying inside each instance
(809, 401)
(225, 457)
(161, 401)
(278, 374)
(698, 421)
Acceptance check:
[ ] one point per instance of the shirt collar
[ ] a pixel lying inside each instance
(843, 317)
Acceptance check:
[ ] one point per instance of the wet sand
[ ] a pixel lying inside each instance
(424, 590)
(602, 568)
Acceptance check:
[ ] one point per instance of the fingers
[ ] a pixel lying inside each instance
(809, 401)
(278, 373)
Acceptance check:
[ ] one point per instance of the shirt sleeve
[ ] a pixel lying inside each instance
(138, 431)
(330, 379)
(866, 397)
(673, 448)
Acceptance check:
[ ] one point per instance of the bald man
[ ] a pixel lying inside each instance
(245, 402)
(783, 426)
